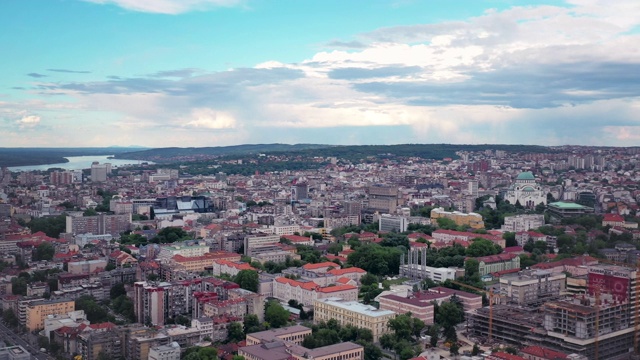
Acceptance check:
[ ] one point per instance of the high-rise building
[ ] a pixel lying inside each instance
(149, 302)
(473, 188)
(99, 172)
(383, 199)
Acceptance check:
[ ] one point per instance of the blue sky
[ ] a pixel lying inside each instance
(223, 72)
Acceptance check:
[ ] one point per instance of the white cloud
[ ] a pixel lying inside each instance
(28, 121)
(210, 119)
(169, 6)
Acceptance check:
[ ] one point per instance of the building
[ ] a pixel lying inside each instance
(393, 223)
(420, 304)
(183, 249)
(495, 263)
(149, 302)
(14, 353)
(86, 266)
(472, 188)
(561, 209)
(93, 343)
(254, 241)
(532, 287)
(413, 266)
(294, 334)
(526, 191)
(37, 311)
(99, 172)
(231, 268)
(353, 313)
(99, 224)
(383, 199)
(281, 350)
(523, 222)
(471, 220)
(165, 352)
(306, 292)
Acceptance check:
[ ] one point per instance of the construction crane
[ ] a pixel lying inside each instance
(491, 295)
(636, 315)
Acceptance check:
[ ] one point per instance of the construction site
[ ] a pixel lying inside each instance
(597, 325)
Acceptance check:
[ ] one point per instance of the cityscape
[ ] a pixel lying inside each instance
(320, 180)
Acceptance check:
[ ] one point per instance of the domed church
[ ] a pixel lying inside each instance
(526, 191)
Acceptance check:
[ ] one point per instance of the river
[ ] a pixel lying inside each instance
(79, 163)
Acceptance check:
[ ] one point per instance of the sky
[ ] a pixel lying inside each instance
(160, 73)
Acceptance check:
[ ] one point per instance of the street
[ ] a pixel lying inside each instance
(9, 335)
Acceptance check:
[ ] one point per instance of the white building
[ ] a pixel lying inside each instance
(526, 191)
(389, 222)
(165, 352)
(523, 222)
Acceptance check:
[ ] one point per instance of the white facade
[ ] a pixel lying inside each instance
(389, 222)
(519, 223)
(165, 352)
(526, 191)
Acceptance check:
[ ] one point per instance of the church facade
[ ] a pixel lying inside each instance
(526, 191)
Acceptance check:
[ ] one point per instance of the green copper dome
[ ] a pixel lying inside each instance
(527, 175)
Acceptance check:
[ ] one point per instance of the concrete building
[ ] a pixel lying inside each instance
(532, 287)
(149, 302)
(183, 249)
(523, 222)
(165, 352)
(383, 199)
(14, 353)
(393, 223)
(471, 220)
(99, 172)
(413, 266)
(254, 241)
(355, 314)
(561, 209)
(99, 224)
(37, 311)
(92, 344)
(86, 266)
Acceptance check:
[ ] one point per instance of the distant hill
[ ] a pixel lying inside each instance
(172, 153)
(43, 156)
(349, 152)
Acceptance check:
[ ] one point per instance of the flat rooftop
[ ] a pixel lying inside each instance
(357, 307)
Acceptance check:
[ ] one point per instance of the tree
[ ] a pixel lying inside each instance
(235, 332)
(10, 318)
(510, 239)
(44, 251)
(95, 312)
(252, 324)
(476, 350)
(276, 315)
(471, 268)
(482, 247)
(247, 279)
(117, 290)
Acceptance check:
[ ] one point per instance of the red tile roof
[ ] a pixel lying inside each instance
(543, 353)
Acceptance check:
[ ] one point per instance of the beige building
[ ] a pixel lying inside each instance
(306, 292)
(353, 313)
(471, 220)
(37, 311)
(294, 334)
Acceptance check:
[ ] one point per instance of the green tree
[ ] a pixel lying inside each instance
(247, 279)
(276, 315)
(235, 332)
(252, 324)
(95, 312)
(44, 251)
(10, 318)
(510, 239)
(482, 247)
(117, 290)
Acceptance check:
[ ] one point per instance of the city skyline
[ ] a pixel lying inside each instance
(227, 72)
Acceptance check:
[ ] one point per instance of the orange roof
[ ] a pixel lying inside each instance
(307, 285)
(320, 265)
(236, 265)
(339, 272)
(336, 288)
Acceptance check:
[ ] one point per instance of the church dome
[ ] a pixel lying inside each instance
(527, 175)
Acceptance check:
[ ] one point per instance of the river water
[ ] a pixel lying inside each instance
(79, 163)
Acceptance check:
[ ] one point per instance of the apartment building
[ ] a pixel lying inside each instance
(353, 313)
(524, 222)
(294, 334)
(165, 352)
(37, 311)
(99, 224)
(231, 268)
(149, 302)
(532, 287)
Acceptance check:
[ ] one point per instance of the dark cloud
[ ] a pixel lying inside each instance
(19, 88)
(113, 77)
(36, 75)
(346, 44)
(535, 86)
(70, 71)
(354, 73)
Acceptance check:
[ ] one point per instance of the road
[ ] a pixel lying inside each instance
(13, 338)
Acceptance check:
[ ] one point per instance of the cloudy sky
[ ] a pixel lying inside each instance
(163, 73)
